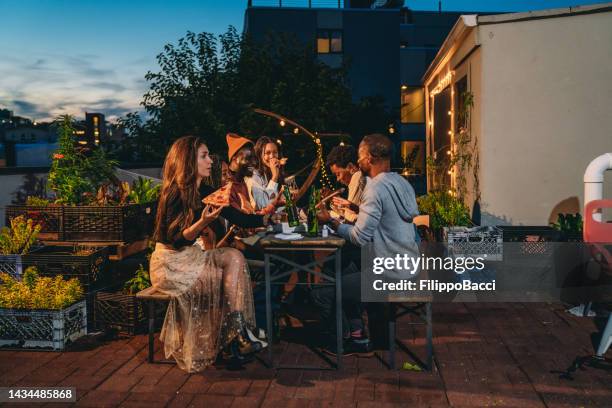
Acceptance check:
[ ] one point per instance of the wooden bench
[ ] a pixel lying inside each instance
(151, 296)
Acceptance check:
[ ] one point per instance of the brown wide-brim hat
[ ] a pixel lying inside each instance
(235, 143)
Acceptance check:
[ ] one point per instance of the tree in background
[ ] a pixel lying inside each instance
(207, 86)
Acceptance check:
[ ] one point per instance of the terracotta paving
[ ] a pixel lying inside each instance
(501, 355)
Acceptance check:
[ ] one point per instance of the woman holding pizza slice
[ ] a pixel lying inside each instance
(212, 301)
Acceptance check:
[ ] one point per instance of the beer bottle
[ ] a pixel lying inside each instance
(313, 221)
(292, 214)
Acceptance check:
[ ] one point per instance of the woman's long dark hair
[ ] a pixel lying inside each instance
(179, 199)
(264, 170)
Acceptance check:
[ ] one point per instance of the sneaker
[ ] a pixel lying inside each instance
(359, 346)
(353, 346)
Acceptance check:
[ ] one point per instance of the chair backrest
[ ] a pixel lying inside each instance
(595, 231)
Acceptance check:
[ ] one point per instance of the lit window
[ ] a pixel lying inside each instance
(95, 120)
(413, 105)
(329, 41)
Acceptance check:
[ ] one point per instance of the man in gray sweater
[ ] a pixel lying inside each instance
(384, 223)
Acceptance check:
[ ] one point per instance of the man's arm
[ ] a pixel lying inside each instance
(368, 219)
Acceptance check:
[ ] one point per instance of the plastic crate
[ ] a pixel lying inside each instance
(91, 268)
(477, 242)
(50, 218)
(51, 329)
(14, 265)
(124, 313)
(535, 240)
(11, 264)
(123, 223)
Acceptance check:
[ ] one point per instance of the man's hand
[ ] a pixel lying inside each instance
(340, 203)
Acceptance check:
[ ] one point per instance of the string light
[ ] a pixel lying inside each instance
(448, 152)
(341, 143)
(391, 130)
(442, 83)
(324, 178)
(279, 142)
(431, 123)
(450, 113)
(404, 87)
(450, 132)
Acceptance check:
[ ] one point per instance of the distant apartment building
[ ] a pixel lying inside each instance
(388, 48)
(95, 128)
(31, 134)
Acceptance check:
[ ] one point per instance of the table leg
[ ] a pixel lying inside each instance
(429, 336)
(338, 268)
(391, 316)
(151, 312)
(269, 317)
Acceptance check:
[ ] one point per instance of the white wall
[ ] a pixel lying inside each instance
(546, 113)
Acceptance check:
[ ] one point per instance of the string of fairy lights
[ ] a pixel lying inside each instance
(324, 178)
(443, 82)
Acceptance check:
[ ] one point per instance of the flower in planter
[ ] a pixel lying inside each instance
(58, 156)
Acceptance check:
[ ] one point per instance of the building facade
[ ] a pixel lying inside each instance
(387, 48)
(537, 92)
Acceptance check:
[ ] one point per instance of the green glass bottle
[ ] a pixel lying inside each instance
(292, 214)
(313, 221)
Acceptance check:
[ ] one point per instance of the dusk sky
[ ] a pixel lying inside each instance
(72, 56)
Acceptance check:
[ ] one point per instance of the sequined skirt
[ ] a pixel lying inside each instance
(197, 326)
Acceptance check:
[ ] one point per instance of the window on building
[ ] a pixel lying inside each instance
(413, 104)
(329, 42)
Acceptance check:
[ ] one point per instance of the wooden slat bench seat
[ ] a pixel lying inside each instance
(152, 296)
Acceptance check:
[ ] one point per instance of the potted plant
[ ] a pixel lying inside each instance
(444, 210)
(570, 227)
(40, 311)
(90, 265)
(90, 203)
(15, 242)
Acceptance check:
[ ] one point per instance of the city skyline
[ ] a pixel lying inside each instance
(72, 57)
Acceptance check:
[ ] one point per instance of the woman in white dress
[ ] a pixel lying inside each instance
(212, 301)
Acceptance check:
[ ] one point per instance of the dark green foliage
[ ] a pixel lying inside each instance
(207, 86)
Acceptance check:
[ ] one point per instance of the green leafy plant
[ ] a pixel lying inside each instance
(568, 223)
(444, 210)
(19, 237)
(37, 201)
(77, 173)
(35, 292)
(140, 281)
(144, 190)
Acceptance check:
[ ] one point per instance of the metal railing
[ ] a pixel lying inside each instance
(297, 3)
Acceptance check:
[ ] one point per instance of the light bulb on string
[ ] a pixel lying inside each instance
(296, 131)
(282, 123)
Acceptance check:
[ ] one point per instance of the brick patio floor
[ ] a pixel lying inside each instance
(497, 355)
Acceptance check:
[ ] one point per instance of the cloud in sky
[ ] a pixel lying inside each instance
(42, 87)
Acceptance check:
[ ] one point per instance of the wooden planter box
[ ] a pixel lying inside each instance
(51, 329)
(123, 223)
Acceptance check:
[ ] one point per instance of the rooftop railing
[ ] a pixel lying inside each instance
(297, 3)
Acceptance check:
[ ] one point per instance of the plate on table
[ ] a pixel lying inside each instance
(288, 237)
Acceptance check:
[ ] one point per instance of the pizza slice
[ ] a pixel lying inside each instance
(219, 198)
